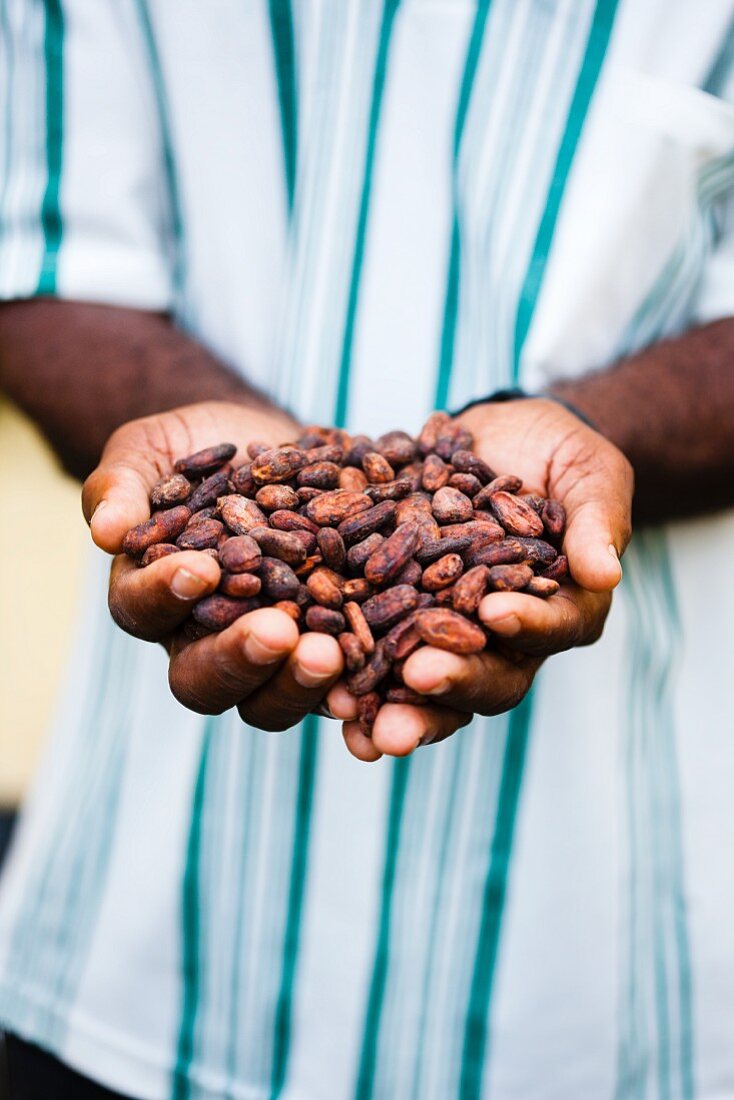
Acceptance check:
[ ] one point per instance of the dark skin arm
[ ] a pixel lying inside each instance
(670, 410)
(80, 371)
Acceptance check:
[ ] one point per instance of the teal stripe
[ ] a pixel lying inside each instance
(717, 78)
(281, 23)
(451, 304)
(368, 1055)
(53, 48)
(301, 833)
(169, 160)
(388, 17)
(601, 29)
(493, 902)
(190, 928)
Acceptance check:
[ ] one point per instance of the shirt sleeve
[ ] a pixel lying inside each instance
(85, 192)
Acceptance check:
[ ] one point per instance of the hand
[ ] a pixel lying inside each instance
(259, 664)
(557, 456)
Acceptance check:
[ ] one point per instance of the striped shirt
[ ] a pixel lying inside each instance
(372, 208)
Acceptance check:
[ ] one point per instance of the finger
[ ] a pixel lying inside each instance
(359, 744)
(399, 728)
(572, 617)
(341, 703)
(116, 496)
(483, 683)
(153, 602)
(598, 507)
(298, 686)
(219, 671)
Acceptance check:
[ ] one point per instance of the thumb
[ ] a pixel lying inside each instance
(598, 508)
(116, 496)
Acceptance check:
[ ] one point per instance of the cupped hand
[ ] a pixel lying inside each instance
(259, 664)
(558, 456)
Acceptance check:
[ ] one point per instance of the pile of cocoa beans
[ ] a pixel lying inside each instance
(387, 544)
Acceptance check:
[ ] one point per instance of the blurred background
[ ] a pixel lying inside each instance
(43, 539)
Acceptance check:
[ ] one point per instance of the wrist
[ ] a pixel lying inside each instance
(551, 394)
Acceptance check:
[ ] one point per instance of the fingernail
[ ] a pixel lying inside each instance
(309, 678)
(439, 688)
(613, 552)
(507, 625)
(102, 504)
(186, 585)
(426, 739)
(259, 653)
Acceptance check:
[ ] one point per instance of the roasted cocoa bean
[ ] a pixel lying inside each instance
(467, 484)
(320, 475)
(390, 490)
(542, 586)
(240, 554)
(515, 515)
(433, 549)
(554, 518)
(411, 573)
(205, 462)
(360, 626)
(200, 536)
(469, 590)
(446, 629)
(466, 462)
(368, 707)
(435, 474)
(505, 552)
(374, 672)
(218, 611)
(242, 481)
(359, 527)
(397, 447)
(352, 479)
(240, 584)
(276, 498)
(278, 464)
(278, 579)
(451, 506)
(357, 589)
(331, 508)
(239, 514)
(325, 621)
(385, 608)
(211, 488)
(283, 519)
(358, 554)
(354, 654)
(557, 570)
(157, 551)
(403, 639)
(402, 694)
(388, 560)
(377, 469)
(174, 489)
(442, 573)
(161, 527)
(332, 548)
(509, 578)
(291, 609)
(324, 589)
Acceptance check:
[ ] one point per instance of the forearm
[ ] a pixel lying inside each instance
(80, 371)
(670, 409)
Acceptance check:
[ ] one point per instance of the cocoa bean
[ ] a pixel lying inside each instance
(357, 589)
(538, 551)
(509, 578)
(157, 551)
(242, 481)
(290, 608)
(331, 508)
(240, 554)
(360, 626)
(435, 474)
(385, 608)
(171, 490)
(161, 527)
(201, 535)
(397, 447)
(401, 694)
(354, 655)
(506, 483)
(467, 484)
(505, 552)
(275, 498)
(332, 453)
(368, 707)
(352, 479)
(202, 514)
(205, 462)
(324, 589)
(283, 519)
(433, 549)
(390, 490)
(411, 573)
(211, 488)
(239, 514)
(325, 621)
(332, 548)
(542, 586)
(557, 570)
(553, 516)
(278, 579)
(442, 573)
(446, 629)
(358, 554)
(377, 469)
(257, 447)
(359, 527)
(431, 430)
(388, 560)
(470, 589)
(375, 670)
(320, 475)
(218, 611)
(307, 493)
(517, 517)
(466, 462)
(403, 639)
(451, 506)
(240, 584)
(278, 464)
